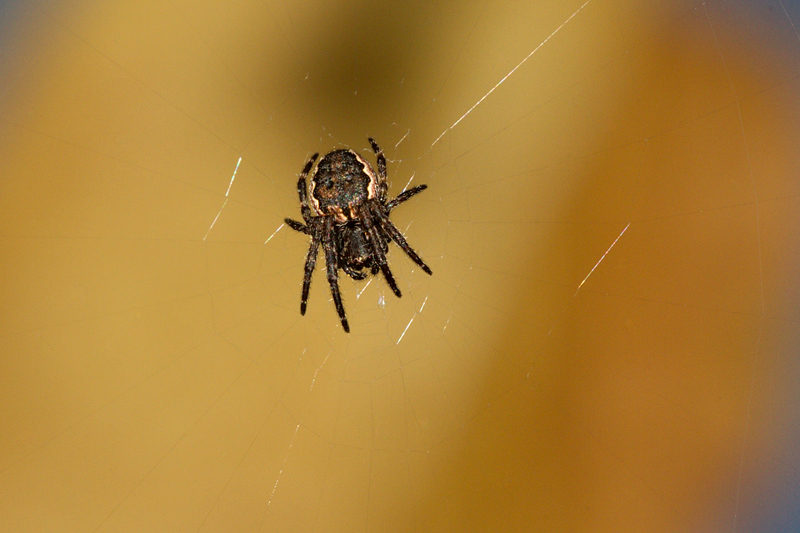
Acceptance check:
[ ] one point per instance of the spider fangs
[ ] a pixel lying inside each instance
(348, 213)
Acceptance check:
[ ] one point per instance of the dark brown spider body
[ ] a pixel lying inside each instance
(354, 245)
(349, 215)
(342, 179)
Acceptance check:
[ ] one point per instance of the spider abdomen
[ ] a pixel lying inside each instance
(342, 181)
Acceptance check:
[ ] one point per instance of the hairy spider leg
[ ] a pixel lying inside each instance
(297, 226)
(376, 241)
(302, 193)
(382, 187)
(315, 231)
(394, 233)
(329, 243)
(403, 196)
(302, 190)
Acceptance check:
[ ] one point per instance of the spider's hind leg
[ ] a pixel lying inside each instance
(403, 196)
(302, 192)
(382, 187)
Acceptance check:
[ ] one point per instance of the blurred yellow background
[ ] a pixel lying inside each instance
(608, 341)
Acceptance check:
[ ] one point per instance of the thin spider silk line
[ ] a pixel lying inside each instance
(510, 73)
(601, 259)
(230, 184)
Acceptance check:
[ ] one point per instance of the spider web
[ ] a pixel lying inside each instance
(607, 340)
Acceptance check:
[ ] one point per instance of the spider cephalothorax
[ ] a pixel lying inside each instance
(348, 213)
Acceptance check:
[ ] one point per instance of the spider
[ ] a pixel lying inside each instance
(346, 210)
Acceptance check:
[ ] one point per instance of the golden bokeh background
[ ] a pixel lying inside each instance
(609, 338)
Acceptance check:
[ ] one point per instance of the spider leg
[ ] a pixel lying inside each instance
(382, 187)
(377, 242)
(297, 226)
(394, 233)
(329, 243)
(302, 191)
(403, 196)
(311, 261)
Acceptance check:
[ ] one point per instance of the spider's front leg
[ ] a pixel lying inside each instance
(332, 263)
(311, 261)
(393, 233)
(376, 241)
